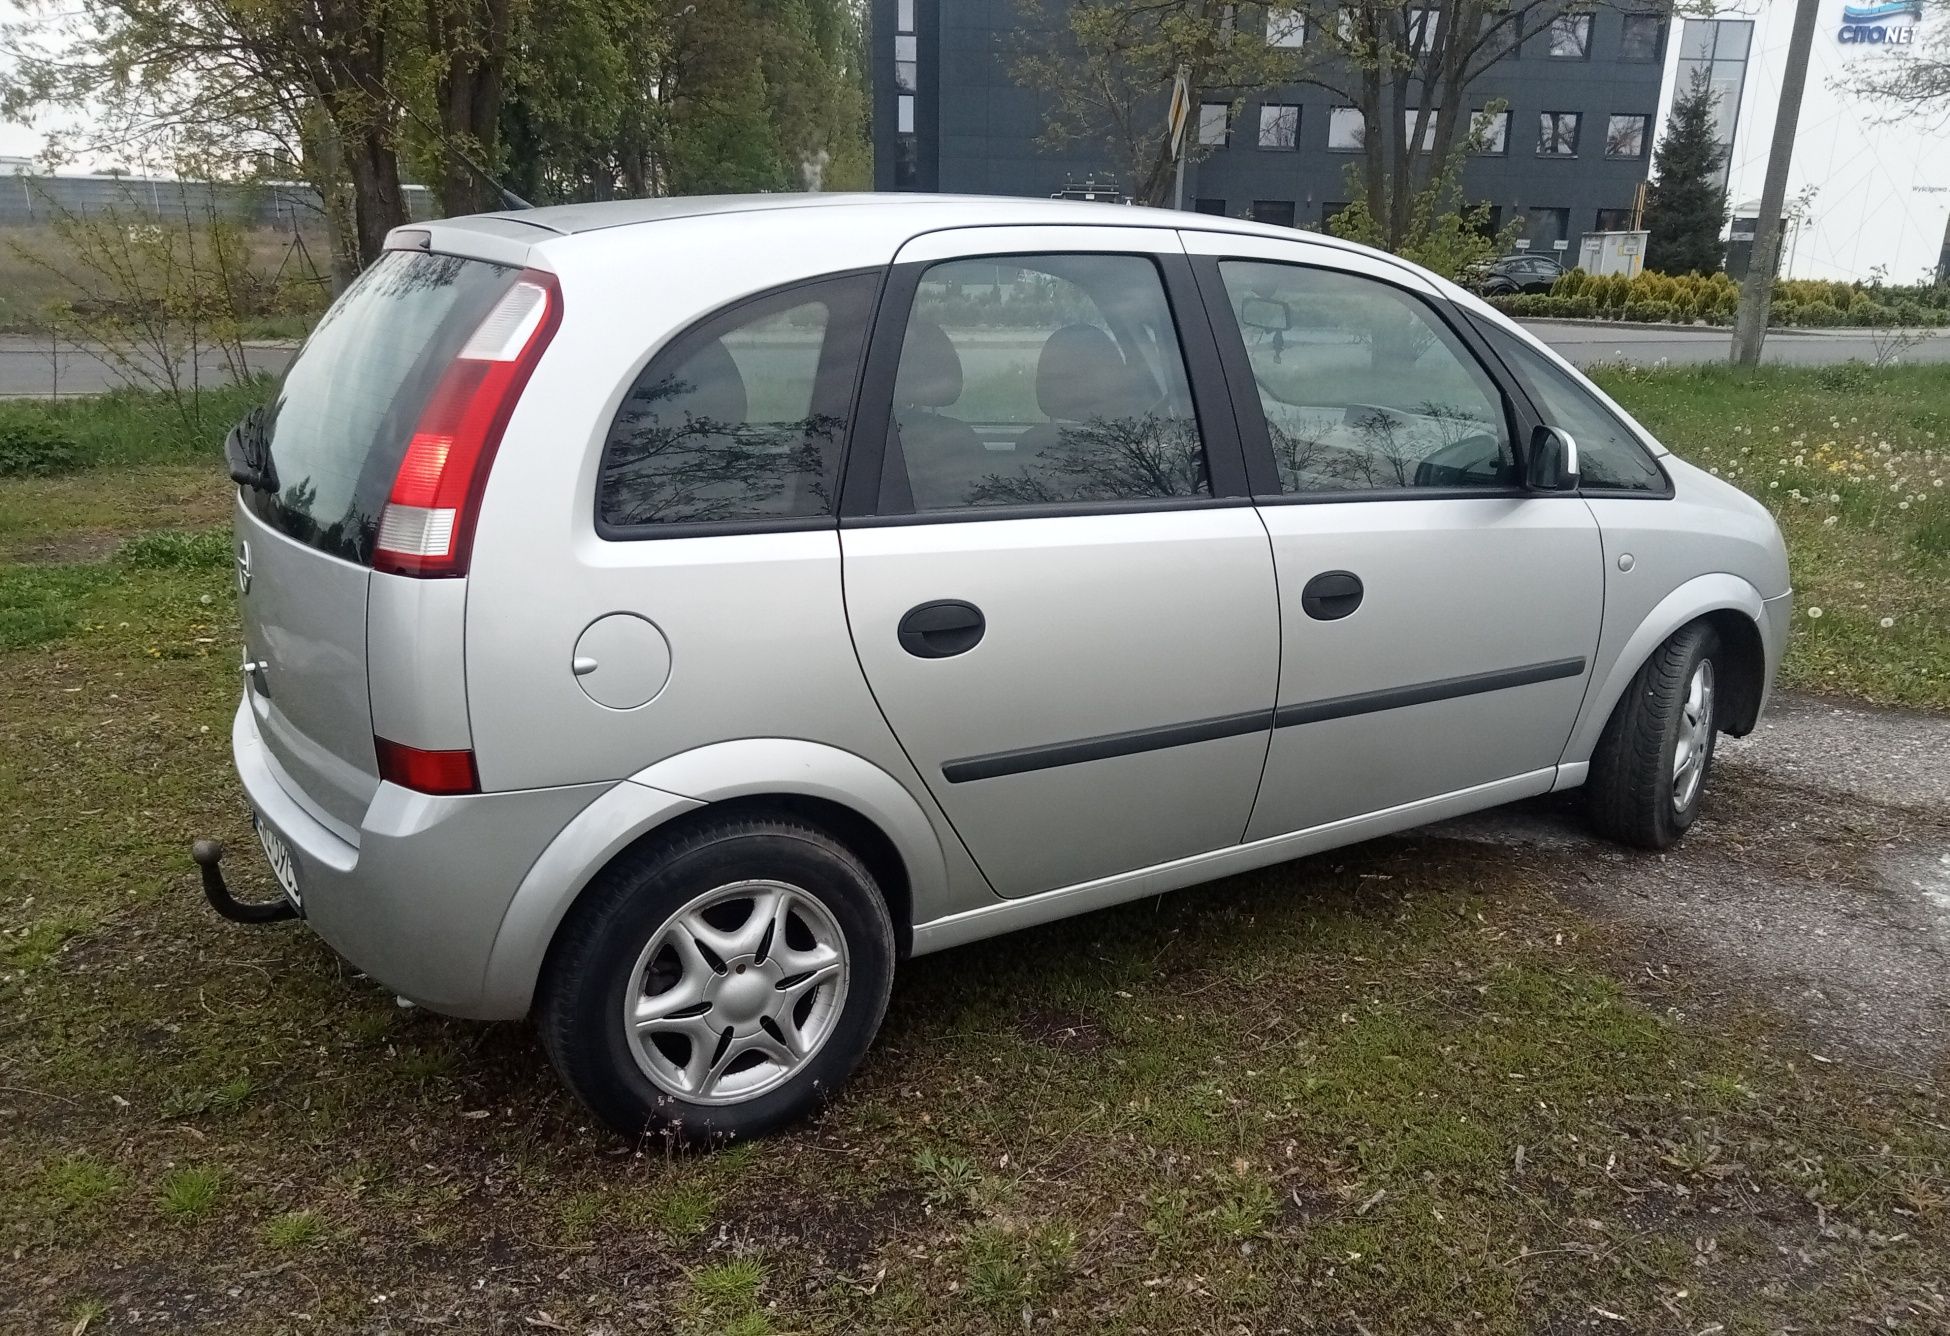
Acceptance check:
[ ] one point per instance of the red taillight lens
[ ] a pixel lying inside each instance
(426, 771)
(427, 527)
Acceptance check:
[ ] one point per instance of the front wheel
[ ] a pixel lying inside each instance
(1650, 766)
(721, 983)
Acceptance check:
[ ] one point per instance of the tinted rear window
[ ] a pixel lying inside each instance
(345, 410)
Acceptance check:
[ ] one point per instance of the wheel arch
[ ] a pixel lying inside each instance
(1736, 611)
(862, 805)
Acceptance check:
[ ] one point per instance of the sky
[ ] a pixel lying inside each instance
(17, 140)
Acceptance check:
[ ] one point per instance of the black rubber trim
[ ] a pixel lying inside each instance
(1022, 760)
(1447, 688)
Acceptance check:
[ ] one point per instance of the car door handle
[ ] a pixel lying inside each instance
(1331, 595)
(942, 629)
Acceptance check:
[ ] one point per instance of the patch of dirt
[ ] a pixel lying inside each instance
(1816, 882)
(73, 547)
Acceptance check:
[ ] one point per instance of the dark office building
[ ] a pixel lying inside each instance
(1567, 156)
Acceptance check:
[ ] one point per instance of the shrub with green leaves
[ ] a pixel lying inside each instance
(33, 444)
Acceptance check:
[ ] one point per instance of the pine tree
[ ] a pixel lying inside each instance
(1686, 204)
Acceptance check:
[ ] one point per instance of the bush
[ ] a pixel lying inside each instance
(33, 444)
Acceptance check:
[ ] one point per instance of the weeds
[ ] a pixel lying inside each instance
(187, 1195)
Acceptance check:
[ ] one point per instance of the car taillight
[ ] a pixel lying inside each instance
(427, 527)
(426, 771)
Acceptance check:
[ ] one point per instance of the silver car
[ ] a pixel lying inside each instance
(661, 618)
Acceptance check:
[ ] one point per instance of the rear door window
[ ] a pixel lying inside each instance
(742, 417)
(339, 424)
(1041, 380)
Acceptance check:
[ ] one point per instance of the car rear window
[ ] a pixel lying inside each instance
(342, 416)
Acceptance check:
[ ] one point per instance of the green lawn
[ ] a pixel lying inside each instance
(1855, 464)
(1408, 1087)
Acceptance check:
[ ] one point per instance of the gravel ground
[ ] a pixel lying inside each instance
(1817, 881)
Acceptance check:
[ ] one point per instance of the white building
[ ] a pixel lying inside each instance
(1873, 180)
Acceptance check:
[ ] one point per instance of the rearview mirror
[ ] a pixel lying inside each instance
(1266, 314)
(1553, 462)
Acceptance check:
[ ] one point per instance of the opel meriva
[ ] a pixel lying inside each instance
(663, 617)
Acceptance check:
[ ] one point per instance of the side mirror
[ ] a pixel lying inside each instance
(1553, 462)
(1266, 315)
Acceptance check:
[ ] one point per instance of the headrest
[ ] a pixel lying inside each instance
(709, 388)
(930, 370)
(1080, 375)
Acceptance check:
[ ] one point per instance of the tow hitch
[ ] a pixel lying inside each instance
(207, 854)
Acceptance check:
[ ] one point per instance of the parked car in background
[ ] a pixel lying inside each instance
(665, 618)
(1517, 273)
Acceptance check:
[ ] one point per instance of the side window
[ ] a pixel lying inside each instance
(1609, 455)
(1041, 380)
(743, 416)
(1363, 387)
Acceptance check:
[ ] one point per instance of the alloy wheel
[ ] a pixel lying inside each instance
(736, 992)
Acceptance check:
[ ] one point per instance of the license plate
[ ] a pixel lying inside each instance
(283, 866)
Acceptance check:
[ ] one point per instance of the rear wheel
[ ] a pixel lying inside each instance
(1649, 770)
(721, 983)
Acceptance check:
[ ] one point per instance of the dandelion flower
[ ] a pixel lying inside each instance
(1888, 622)
(1814, 612)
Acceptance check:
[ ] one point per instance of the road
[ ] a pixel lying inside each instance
(1586, 344)
(33, 368)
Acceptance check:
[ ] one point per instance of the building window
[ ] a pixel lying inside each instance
(1346, 131)
(1422, 25)
(1571, 37)
(1503, 33)
(1625, 136)
(1279, 126)
(1428, 129)
(1645, 37)
(1557, 134)
(904, 62)
(1544, 227)
(904, 15)
(1214, 123)
(904, 118)
(1329, 211)
(1614, 220)
(1276, 211)
(1286, 27)
(907, 172)
(1211, 206)
(1717, 49)
(1491, 130)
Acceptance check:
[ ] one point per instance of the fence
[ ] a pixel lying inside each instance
(30, 198)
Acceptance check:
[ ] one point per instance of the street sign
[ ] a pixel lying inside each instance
(1181, 110)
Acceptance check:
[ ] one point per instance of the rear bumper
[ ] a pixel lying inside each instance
(417, 902)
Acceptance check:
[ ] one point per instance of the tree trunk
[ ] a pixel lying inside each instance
(378, 203)
(473, 36)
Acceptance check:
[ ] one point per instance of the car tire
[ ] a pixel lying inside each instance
(1651, 764)
(680, 932)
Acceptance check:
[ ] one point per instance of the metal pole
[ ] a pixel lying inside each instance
(1757, 289)
(1178, 187)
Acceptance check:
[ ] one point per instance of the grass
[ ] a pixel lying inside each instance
(1855, 465)
(1405, 1087)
